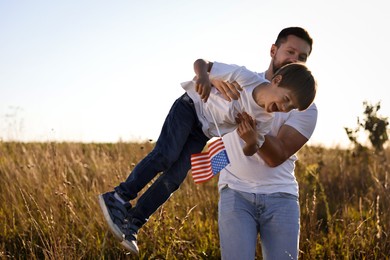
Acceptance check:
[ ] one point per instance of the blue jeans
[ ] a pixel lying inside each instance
(242, 216)
(181, 136)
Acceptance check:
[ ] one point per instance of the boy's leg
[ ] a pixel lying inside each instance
(168, 182)
(279, 226)
(178, 126)
(237, 224)
(160, 191)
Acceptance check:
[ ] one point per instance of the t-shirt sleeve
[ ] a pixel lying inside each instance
(263, 128)
(230, 73)
(304, 121)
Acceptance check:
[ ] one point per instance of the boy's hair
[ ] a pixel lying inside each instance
(296, 31)
(299, 80)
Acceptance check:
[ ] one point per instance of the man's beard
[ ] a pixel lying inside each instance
(276, 67)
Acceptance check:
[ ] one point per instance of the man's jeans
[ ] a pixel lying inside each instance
(181, 136)
(242, 216)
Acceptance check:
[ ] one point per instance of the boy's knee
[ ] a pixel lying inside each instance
(165, 159)
(171, 184)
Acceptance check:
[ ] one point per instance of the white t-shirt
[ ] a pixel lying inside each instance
(251, 173)
(225, 111)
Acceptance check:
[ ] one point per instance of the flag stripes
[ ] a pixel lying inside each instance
(207, 164)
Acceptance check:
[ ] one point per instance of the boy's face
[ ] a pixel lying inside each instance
(279, 99)
(282, 101)
(293, 50)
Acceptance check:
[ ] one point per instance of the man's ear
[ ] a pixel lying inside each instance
(273, 50)
(277, 79)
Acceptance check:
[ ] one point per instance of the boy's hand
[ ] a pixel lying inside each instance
(203, 87)
(228, 90)
(247, 131)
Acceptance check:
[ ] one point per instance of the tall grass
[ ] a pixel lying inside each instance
(49, 209)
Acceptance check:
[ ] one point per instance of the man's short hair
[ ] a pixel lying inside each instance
(296, 31)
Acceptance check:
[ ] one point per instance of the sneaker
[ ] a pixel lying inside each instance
(116, 215)
(130, 237)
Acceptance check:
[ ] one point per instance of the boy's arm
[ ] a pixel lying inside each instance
(202, 83)
(248, 133)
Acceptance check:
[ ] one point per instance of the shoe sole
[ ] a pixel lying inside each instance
(114, 228)
(130, 246)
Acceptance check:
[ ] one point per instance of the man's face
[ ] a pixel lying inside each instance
(293, 50)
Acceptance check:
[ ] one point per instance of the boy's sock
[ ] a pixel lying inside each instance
(116, 195)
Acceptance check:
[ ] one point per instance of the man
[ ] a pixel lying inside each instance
(126, 220)
(185, 132)
(259, 193)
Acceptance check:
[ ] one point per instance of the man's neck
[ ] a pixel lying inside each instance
(268, 74)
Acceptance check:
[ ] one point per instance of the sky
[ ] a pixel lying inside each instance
(109, 71)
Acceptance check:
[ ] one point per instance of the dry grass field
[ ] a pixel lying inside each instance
(49, 209)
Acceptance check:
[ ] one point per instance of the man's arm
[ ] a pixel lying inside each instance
(228, 90)
(277, 149)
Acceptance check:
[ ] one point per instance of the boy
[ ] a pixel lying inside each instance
(292, 87)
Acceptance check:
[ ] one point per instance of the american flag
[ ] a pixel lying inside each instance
(208, 164)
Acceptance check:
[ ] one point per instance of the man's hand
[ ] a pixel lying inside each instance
(228, 90)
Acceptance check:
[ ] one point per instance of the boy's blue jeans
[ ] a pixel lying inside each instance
(181, 136)
(242, 216)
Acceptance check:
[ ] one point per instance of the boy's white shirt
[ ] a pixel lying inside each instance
(250, 173)
(224, 111)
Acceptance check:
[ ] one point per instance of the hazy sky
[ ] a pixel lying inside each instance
(105, 71)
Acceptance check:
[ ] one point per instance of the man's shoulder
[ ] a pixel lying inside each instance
(311, 110)
(302, 121)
